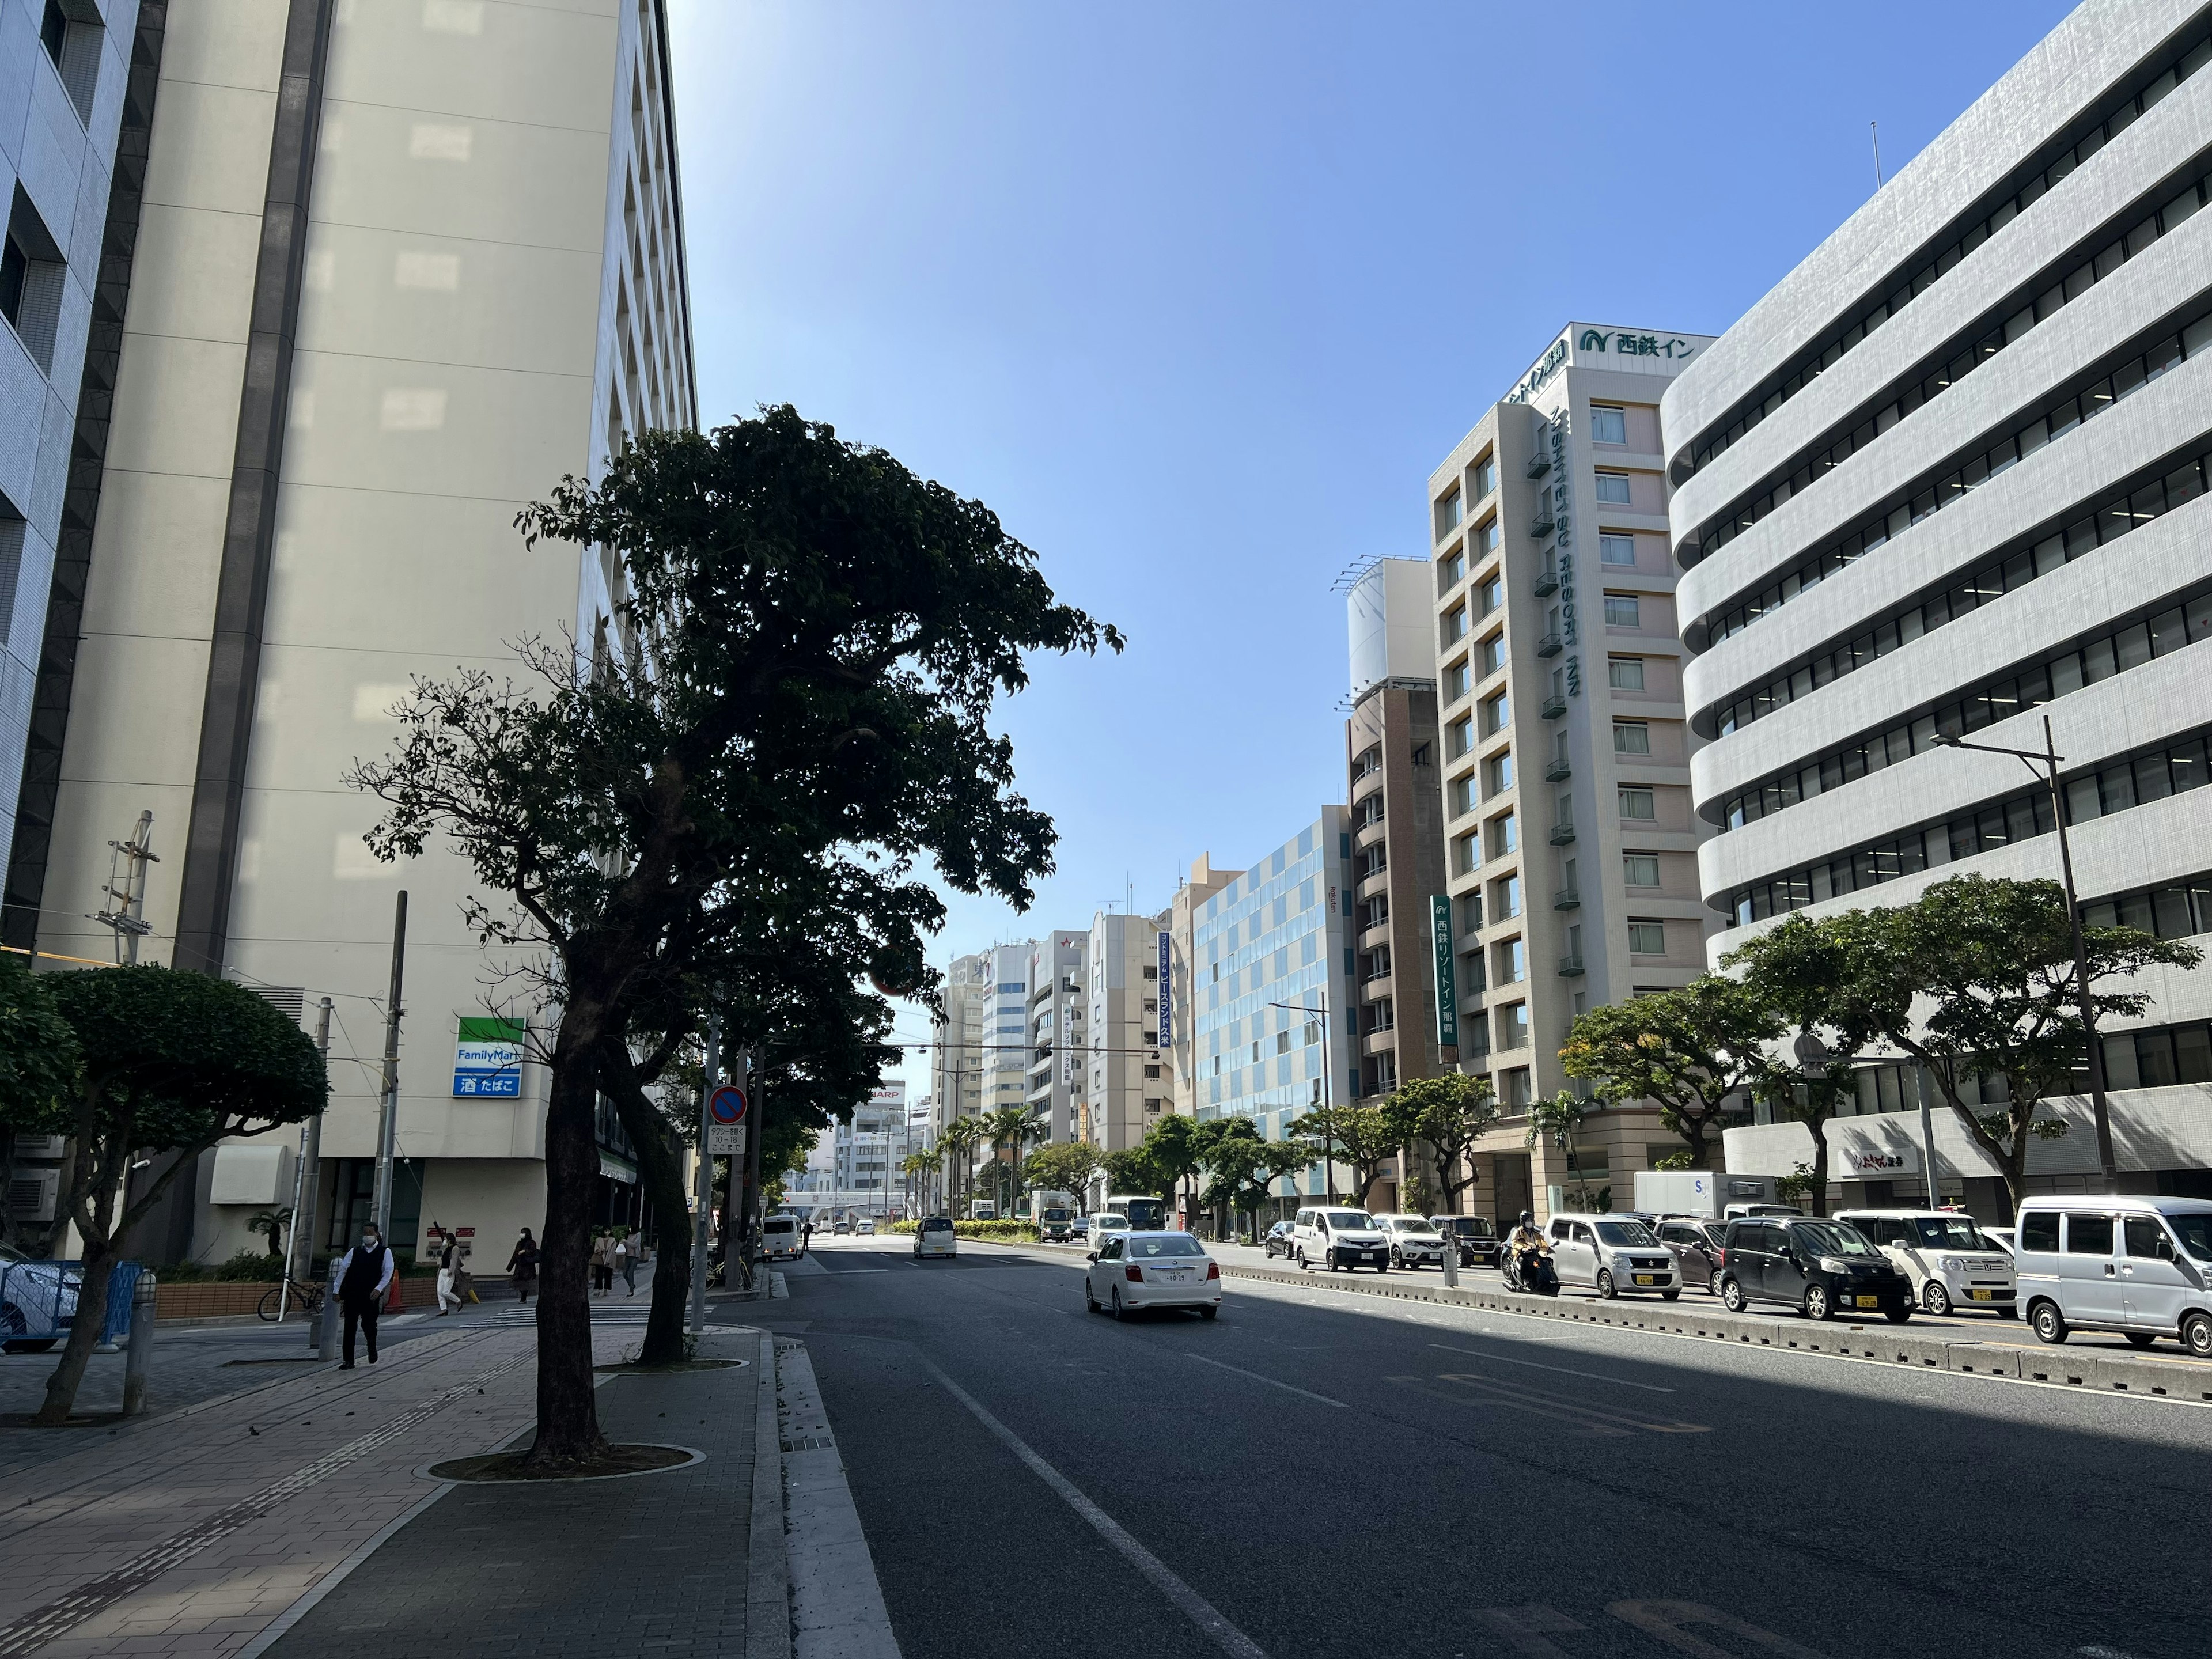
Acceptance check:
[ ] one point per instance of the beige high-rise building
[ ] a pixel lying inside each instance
(400, 268)
(1178, 1051)
(1571, 849)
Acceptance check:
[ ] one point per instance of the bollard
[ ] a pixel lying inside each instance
(1451, 1260)
(140, 1348)
(326, 1328)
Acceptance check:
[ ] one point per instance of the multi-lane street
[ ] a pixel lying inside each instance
(1327, 1475)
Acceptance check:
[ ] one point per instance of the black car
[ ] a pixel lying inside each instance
(1478, 1240)
(1277, 1241)
(1818, 1266)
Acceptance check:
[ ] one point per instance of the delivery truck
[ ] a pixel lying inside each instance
(1710, 1194)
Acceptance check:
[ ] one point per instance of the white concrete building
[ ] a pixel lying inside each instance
(1125, 1089)
(1055, 1062)
(401, 267)
(1950, 476)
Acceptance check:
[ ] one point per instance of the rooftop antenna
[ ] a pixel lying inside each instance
(1874, 128)
(126, 886)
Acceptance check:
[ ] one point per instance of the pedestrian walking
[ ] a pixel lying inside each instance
(363, 1275)
(626, 1259)
(449, 1274)
(603, 1263)
(806, 1235)
(522, 1266)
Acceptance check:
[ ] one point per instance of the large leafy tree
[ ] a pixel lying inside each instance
(1065, 1167)
(1243, 1167)
(1131, 1170)
(1175, 1147)
(811, 646)
(1365, 1137)
(39, 1062)
(1447, 1115)
(1689, 1050)
(1559, 1119)
(168, 1062)
(1975, 981)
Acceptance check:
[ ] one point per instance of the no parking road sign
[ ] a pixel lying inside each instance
(725, 1122)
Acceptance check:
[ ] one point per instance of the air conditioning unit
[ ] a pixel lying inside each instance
(38, 1146)
(33, 1194)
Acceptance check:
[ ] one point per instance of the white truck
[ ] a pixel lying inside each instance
(1053, 1214)
(1710, 1193)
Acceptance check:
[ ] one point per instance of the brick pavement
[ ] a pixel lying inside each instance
(657, 1563)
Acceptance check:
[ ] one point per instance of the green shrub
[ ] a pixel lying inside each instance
(904, 1226)
(1003, 1232)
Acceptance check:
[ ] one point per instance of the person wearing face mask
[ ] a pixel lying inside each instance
(363, 1277)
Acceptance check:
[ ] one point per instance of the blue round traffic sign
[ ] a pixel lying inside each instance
(727, 1104)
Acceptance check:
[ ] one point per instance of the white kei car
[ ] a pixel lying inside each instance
(1130, 1270)
(933, 1236)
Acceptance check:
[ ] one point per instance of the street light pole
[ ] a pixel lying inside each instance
(2047, 761)
(1327, 1088)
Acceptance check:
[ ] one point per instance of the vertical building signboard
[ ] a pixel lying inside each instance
(1167, 989)
(1447, 986)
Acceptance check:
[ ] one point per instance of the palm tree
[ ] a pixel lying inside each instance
(273, 1223)
(960, 1139)
(1008, 1126)
(917, 1168)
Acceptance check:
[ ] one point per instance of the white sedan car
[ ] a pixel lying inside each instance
(1129, 1270)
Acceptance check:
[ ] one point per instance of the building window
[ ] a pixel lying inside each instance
(1647, 939)
(1455, 625)
(1490, 596)
(1486, 538)
(1498, 774)
(1504, 899)
(1512, 956)
(1612, 488)
(1639, 804)
(1616, 549)
(1513, 1026)
(74, 45)
(1459, 737)
(1496, 714)
(1450, 570)
(1460, 792)
(1448, 513)
(1486, 476)
(1458, 680)
(1502, 837)
(31, 273)
(1491, 653)
(1640, 869)
(1463, 859)
(1608, 425)
(1632, 738)
(1622, 611)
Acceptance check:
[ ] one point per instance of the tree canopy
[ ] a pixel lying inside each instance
(1689, 1050)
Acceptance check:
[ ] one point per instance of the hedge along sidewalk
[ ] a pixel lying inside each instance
(2180, 1380)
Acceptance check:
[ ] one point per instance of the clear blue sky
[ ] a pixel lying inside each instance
(1196, 295)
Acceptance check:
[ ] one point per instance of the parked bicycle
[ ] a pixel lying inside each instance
(303, 1299)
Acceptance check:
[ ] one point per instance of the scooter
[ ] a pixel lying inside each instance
(1530, 1270)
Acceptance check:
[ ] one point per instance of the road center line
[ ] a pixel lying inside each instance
(1286, 1387)
(1564, 1370)
(1201, 1612)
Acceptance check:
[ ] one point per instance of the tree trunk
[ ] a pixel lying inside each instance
(660, 1167)
(84, 1334)
(568, 1414)
(93, 1183)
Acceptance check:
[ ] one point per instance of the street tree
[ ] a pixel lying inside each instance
(39, 1060)
(1009, 1128)
(1243, 1167)
(169, 1061)
(1987, 966)
(1690, 1049)
(806, 664)
(1557, 1119)
(1449, 1115)
(1174, 1144)
(1131, 1170)
(1365, 1137)
(962, 1136)
(1064, 1167)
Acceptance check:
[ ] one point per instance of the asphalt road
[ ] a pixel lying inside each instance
(1322, 1477)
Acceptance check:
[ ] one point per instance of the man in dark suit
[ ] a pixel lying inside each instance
(363, 1276)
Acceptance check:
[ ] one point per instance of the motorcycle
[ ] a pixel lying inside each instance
(1528, 1269)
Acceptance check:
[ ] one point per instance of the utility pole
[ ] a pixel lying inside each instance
(307, 1178)
(702, 1180)
(749, 1212)
(388, 1125)
(126, 917)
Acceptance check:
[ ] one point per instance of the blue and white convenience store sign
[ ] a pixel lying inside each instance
(488, 1059)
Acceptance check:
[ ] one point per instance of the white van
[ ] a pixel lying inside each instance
(2141, 1267)
(1337, 1236)
(1943, 1252)
(780, 1239)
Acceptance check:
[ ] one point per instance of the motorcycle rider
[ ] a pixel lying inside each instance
(1527, 1247)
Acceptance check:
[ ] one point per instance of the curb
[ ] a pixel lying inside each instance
(767, 1579)
(2180, 1380)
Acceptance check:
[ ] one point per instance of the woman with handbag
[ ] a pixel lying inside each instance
(522, 1266)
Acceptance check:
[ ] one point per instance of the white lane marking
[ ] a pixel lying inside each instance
(1286, 1387)
(1201, 1612)
(847, 1272)
(2099, 1650)
(1665, 1619)
(1564, 1370)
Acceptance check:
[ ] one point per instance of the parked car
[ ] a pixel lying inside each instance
(1695, 1244)
(1478, 1239)
(34, 1296)
(2003, 1238)
(1338, 1238)
(1413, 1240)
(1133, 1271)
(1276, 1241)
(1820, 1267)
(1944, 1254)
(2141, 1267)
(780, 1239)
(1613, 1255)
(933, 1237)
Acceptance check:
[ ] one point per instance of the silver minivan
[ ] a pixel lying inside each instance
(2141, 1267)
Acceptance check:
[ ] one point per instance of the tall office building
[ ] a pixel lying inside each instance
(1392, 753)
(1056, 1065)
(1124, 1084)
(74, 121)
(398, 269)
(1571, 847)
(1179, 1052)
(1948, 478)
